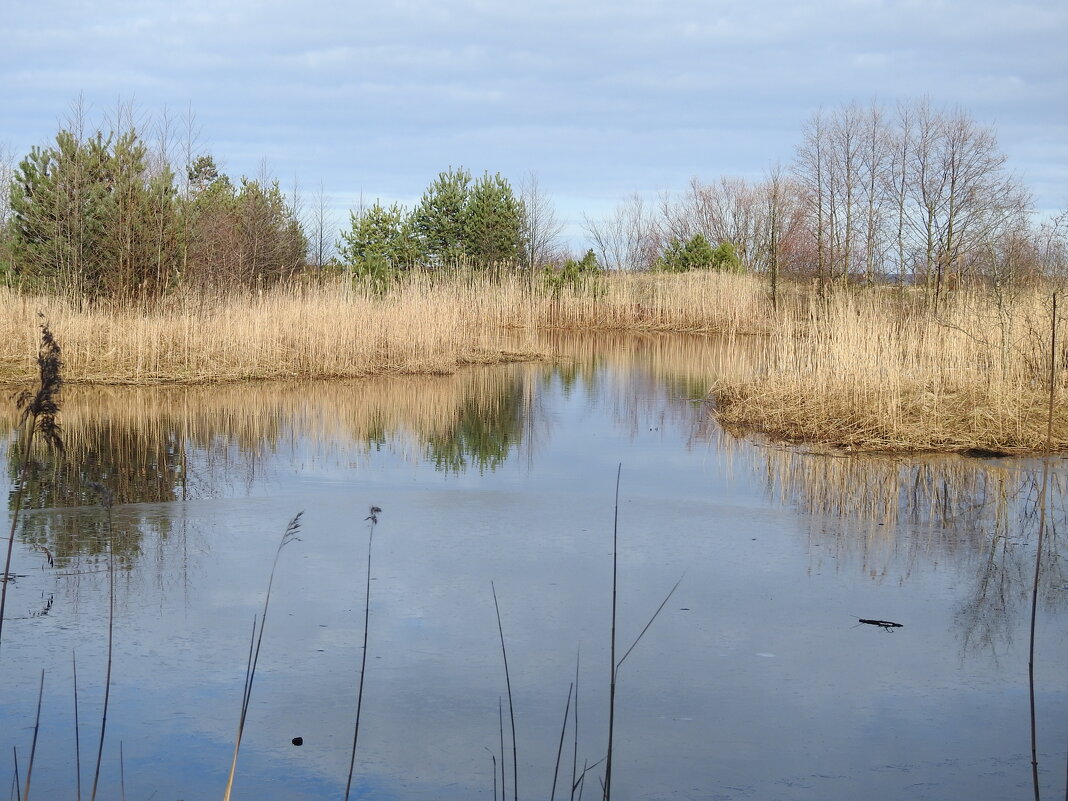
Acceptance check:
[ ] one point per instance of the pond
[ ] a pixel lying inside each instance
(755, 680)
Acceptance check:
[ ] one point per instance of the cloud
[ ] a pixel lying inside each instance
(600, 98)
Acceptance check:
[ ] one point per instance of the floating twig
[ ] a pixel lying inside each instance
(886, 625)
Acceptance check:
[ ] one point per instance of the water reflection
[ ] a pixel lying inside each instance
(889, 514)
(753, 683)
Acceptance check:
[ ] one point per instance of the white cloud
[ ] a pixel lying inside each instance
(601, 98)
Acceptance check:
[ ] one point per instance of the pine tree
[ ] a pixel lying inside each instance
(440, 220)
(494, 231)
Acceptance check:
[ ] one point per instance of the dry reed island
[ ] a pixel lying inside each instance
(901, 291)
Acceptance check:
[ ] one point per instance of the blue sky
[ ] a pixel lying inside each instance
(600, 99)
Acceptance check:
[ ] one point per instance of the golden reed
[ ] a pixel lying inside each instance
(334, 329)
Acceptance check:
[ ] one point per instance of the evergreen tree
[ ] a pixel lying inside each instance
(698, 254)
(378, 232)
(56, 221)
(439, 221)
(493, 234)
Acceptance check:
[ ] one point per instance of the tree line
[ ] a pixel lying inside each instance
(101, 215)
(915, 194)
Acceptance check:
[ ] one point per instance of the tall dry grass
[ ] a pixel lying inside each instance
(871, 371)
(426, 324)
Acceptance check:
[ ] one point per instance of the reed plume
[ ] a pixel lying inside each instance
(38, 412)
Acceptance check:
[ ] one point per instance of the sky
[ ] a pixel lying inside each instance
(598, 99)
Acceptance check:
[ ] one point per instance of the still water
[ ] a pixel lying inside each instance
(754, 682)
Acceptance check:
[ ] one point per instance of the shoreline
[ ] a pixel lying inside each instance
(858, 371)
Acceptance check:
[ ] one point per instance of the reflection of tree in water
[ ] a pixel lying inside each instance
(138, 461)
(129, 462)
(485, 430)
(891, 514)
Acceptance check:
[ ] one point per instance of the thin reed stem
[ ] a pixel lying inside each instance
(15, 779)
(1038, 551)
(77, 730)
(111, 631)
(612, 688)
(6, 576)
(511, 706)
(493, 757)
(33, 745)
(500, 723)
(656, 614)
(574, 728)
(560, 747)
(373, 520)
(288, 536)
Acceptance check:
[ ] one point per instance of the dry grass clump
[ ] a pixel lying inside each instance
(423, 324)
(868, 372)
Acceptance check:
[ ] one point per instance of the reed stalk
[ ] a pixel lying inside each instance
(511, 706)
(288, 536)
(607, 787)
(16, 784)
(500, 725)
(39, 410)
(560, 747)
(107, 500)
(616, 665)
(372, 519)
(575, 730)
(33, 745)
(77, 731)
(493, 760)
(1038, 551)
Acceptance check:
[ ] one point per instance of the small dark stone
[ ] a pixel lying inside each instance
(298, 741)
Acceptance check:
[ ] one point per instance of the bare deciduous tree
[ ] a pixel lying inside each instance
(929, 188)
(320, 238)
(541, 228)
(726, 211)
(627, 239)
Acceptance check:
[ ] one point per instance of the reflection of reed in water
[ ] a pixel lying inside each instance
(158, 445)
(890, 515)
(165, 444)
(689, 363)
(656, 379)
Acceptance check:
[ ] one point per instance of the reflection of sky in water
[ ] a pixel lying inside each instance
(756, 681)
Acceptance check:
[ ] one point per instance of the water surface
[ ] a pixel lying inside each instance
(755, 681)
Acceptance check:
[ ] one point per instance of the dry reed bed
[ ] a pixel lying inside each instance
(329, 331)
(863, 372)
(426, 324)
